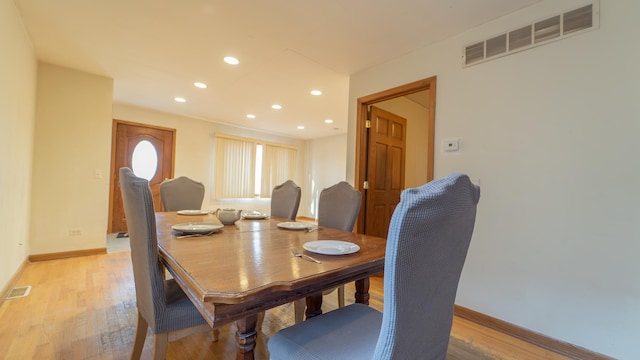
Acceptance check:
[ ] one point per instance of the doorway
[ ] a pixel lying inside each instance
(372, 220)
(149, 151)
(386, 157)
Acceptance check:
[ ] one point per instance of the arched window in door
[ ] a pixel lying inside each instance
(144, 160)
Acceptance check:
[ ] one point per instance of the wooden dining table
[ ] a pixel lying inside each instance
(248, 267)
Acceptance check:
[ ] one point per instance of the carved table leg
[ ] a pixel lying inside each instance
(246, 337)
(314, 305)
(362, 291)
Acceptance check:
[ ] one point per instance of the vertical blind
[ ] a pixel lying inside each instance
(235, 167)
(277, 167)
(234, 170)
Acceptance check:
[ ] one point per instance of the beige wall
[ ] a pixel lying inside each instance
(72, 143)
(18, 70)
(552, 135)
(325, 164)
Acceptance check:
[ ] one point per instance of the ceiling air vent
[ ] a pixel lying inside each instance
(553, 28)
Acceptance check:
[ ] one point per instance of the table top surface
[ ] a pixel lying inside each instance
(251, 260)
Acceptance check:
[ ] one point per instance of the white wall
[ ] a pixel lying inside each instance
(552, 135)
(194, 151)
(18, 71)
(326, 162)
(72, 141)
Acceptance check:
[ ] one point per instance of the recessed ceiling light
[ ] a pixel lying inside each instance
(300, 127)
(276, 107)
(231, 60)
(328, 121)
(316, 92)
(179, 99)
(200, 85)
(251, 116)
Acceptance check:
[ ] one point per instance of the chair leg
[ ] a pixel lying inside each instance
(138, 341)
(215, 334)
(260, 321)
(341, 296)
(160, 343)
(299, 307)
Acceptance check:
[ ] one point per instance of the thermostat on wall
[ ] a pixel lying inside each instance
(450, 144)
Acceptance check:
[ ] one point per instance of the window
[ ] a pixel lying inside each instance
(247, 168)
(144, 160)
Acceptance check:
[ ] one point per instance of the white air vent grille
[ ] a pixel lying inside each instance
(18, 292)
(496, 45)
(474, 52)
(520, 38)
(578, 19)
(546, 29)
(550, 29)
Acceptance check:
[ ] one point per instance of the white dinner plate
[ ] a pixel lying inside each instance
(197, 228)
(193, 212)
(254, 215)
(331, 247)
(294, 225)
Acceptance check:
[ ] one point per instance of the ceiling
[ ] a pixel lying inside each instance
(156, 49)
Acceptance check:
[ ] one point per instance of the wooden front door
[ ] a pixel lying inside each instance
(385, 169)
(129, 139)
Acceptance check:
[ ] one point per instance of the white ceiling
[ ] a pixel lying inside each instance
(156, 49)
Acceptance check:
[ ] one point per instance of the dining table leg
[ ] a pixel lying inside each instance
(314, 305)
(246, 337)
(362, 291)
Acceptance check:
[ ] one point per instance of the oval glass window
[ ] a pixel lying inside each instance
(144, 161)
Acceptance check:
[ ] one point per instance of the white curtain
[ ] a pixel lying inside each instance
(278, 164)
(234, 174)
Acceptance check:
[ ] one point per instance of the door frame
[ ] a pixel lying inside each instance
(361, 129)
(112, 183)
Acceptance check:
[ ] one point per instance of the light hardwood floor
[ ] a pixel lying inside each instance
(84, 308)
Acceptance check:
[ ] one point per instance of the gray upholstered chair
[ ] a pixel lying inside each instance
(338, 208)
(427, 244)
(285, 200)
(181, 193)
(162, 305)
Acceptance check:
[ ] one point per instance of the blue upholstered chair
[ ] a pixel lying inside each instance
(427, 245)
(181, 193)
(285, 200)
(338, 208)
(162, 305)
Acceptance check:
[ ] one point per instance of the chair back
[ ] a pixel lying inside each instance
(181, 193)
(162, 303)
(427, 244)
(285, 200)
(141, 226)
(338, 206)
